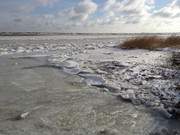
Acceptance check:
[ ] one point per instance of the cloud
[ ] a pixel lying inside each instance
(81, 12)
(138, 16)
(71, 18)
(18, 20)
(150, 2)
(169, 11)
(129, 6)
(88, 16)
(47, 2)
(128, 11)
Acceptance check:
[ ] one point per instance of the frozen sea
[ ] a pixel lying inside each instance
(85, 85)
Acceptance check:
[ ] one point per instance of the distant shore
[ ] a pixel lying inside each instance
(58, 33)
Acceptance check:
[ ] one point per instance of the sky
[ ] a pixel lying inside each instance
(93, 16)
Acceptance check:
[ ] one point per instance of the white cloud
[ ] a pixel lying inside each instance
(82, 11)
(46, 2)
(169, 11)
(140, 16)
(115, 16)
(79, 14)
(128, 10)
(74, 18)
(150, 2)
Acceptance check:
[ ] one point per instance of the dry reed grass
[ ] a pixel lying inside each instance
(151, 42)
